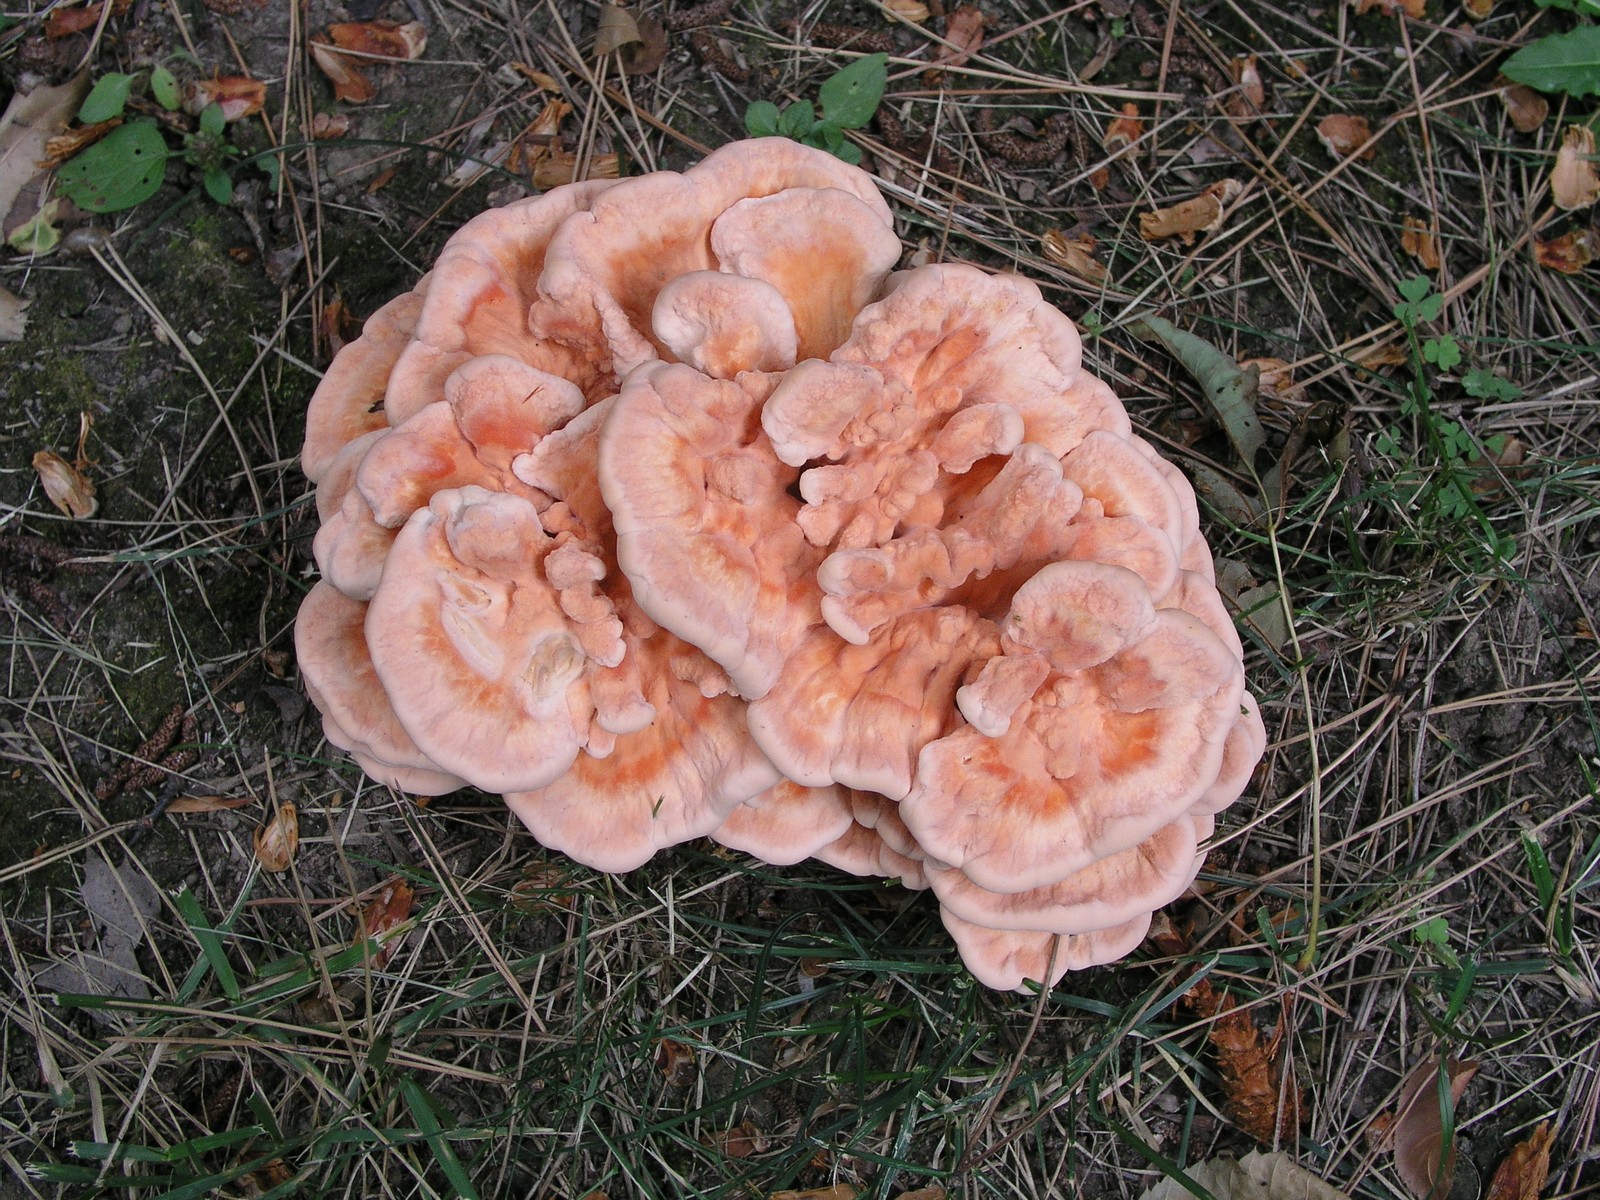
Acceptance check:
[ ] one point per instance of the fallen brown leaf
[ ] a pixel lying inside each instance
(1569, 254)
(617, 28)
(1573, 182)
(650, 51)
(1246, 103)
(676, 1062)
(1390, 354)
(236, 95)
(73, 141)
(67, 486)
(26, 127)
(1199, 215)
(963, 30)
(837, 1191)
(207, 804)
(277, 840)
(1074, 254)
(64, 22)
(1344, 135)
(743, 1140)
(347, 43)
(1417, 240)
(556, 167)
(1124, 130)
(914, 11)
(1525, 107)
(1425, 1165)
(383, 916)
(1277, 379)
(1415, 9)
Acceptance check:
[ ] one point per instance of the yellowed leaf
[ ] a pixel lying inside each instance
(69, 488)
(277, 840)
(1417, 240)
(1573, 182)
(1344, 135)
(1073, 254)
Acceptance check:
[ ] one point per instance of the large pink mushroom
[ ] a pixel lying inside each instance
(664, 509)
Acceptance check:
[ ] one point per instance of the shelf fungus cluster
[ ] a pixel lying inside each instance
(667, 509)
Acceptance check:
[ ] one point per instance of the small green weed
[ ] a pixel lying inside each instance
(1561, 62)
(1435, 481)
(849, 98)
(128, 165)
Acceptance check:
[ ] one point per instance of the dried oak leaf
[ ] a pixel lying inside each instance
(1522, 1173)
(1573, 182)
(1417, 240)
(1421, 1158)
(1569, 254)
(1344, 135)
(1199, 215)
(348, 43)
(68, 487)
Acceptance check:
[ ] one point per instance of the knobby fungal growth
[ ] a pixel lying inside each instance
(667, 509)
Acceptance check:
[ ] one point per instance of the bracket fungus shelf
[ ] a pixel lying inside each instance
(668, 509)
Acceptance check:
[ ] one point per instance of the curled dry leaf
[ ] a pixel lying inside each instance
(68, 487)
(13, 316)
(1569, 254)
(347, 43)
(743, 1140)
(325, 126)
(556, 166)
(237, 96)
(64, 145)
(650, 51)
(1247, 101)
(385, 915)
(1415, 9)
(1573, 182)
(1522, 1173)
(963, 30)
(1074, 254)
(1199, 215)
(618, 28)
(1421, 1158)
(278, 839)
(1124, 131)
(912, 11)
(1525, 107)
(1417, 240)
(676, 1062)
(1344, 135)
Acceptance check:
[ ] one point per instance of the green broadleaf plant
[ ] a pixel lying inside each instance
(106, 99)
(849, 98)
(122, 169)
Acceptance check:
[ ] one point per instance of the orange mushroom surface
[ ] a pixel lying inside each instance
(665, 509)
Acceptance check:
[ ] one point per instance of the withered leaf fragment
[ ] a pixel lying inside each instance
(236, 95)
(1123, 130)
(1199, 215)
(277, 840)
(348, 43)
(1569, 254)
(1573, 182)
(1522, 1173)
(963, 30)
(1525, 107)
(913, 11)
(618, 28)
(676, 1062)
(68, 487)
(1245, 104)
(1422, 1160)
(1417, 240)
(1074, 254)
(650, 51)
(383, 917)
(1344, 135)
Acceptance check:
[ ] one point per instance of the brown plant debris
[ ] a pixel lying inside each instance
(963, 33)
(1074, 254)
(1522, 1173)
(1573, 181)
(676, 1062)
(1344, 135)
(1570, 254)
(709, 49)
(1525, 108)
(708, 13)
(1417, 240)
(1421, 1158)
(1259, 1096)
(1183, 220)
(155, 761)
(1031, 152)
(1415, 9)
(346, 46)
(26, 563)
(841, 37)
(385, 915)
(278, 840)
